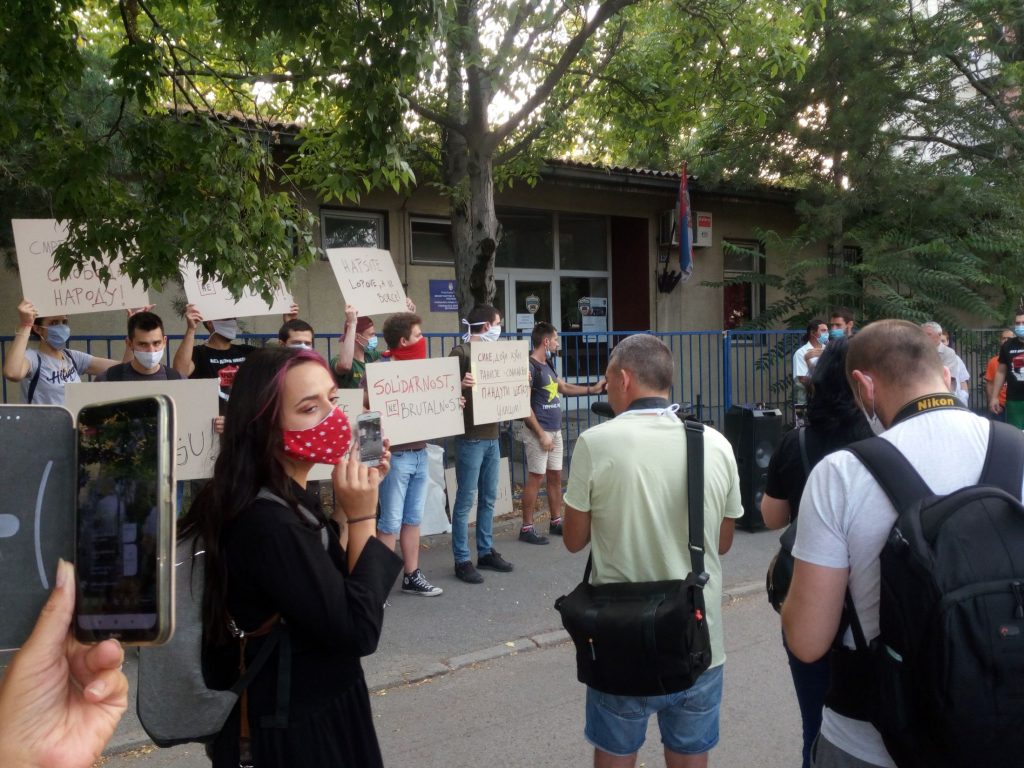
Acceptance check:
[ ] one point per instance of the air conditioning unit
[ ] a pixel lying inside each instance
(668, 230)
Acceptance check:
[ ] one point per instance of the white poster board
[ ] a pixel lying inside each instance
(351, 403)
(83, 291)
(594, 312)
(417, 399)
(501, 372)
(195, 406)
(215, 302)
(503, 501)
(368, 280)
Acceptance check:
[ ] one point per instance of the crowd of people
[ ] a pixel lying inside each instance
(325, 577)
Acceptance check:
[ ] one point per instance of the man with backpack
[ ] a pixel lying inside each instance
(918, 543)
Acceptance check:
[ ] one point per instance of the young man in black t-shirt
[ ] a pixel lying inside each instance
(147, 343)
(1011, 372)
(218, 358)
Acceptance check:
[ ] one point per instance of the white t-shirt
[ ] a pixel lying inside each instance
(629, 474)
(54, 375)
(845, 519)
(800, 366)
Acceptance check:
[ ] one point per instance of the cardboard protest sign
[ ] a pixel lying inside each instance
(417, 399)
(215, 302)
(82, 291)
(195, 406)
(351, 403)
(501, 370)
(368, 280)
(503, 501)
(37, 511)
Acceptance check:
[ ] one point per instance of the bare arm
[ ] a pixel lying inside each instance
(776, 512)
(16, 366)
(725, 533)
(575, 390)
(997, 384)
(347, 351)
(575, 528)
(183, 356)
(355, 504)
(813, 609)
(99, 365)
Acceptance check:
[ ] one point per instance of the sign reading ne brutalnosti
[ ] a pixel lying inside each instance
(368, 280)
(501, 376)
(417, 399)
(82, 291)
(215, 302)
(195, 406)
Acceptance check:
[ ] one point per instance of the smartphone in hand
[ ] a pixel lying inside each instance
(371, 440)
(124, 528)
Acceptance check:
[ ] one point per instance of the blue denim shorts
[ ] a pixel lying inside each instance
(688, 719)
(403, 491)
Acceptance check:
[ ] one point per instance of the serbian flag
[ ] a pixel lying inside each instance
(685, 229)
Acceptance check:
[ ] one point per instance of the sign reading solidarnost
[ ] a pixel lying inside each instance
(501, 375)
(502, 502)
(368, 280)
(215, 302)
(82, 291)
(351, 403)
(417, 399)
(195, 407)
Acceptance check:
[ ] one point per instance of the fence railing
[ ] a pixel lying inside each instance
(713, 371)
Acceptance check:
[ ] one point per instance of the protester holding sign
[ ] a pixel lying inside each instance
(147, 344)
(358, 347)
(403, 492)
(477, 462)
(218, 358)
(44, 373)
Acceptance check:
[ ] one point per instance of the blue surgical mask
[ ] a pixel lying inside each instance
(371, 344)
(1018, 331)
(57, 336)
(836, 333)
(547, 353)
(823, 338)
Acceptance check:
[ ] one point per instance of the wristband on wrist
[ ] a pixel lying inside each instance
(361, 519)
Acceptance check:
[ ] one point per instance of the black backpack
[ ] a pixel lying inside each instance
(947, 671)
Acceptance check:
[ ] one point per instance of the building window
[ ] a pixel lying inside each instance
(583, 242)
(527, 241)
(742, 301)
(352, 229)
(431, 240)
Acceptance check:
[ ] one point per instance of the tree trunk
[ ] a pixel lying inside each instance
(475, 229)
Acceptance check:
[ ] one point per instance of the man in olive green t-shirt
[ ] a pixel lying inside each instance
(627, 498)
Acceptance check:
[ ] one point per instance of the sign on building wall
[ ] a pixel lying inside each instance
(215, 302)
(594, 313)
(195, 406)
(368, 280)
(703, 238)
(82, 291)
(417, 399)
(442, 296)
(501, 372)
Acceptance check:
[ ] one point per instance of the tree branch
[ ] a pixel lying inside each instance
(428, 113)
(936, 139)
(986, 92)
(604, 12)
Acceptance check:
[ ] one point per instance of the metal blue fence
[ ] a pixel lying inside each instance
(714, 370)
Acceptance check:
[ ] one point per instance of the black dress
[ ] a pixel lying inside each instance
(277, 564)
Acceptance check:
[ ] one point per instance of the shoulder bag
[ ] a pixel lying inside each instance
(646, 638)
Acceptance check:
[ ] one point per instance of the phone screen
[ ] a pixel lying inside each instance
(371, 441)
(124, 530)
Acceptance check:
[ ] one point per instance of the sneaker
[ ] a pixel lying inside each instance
(555, 529)
(467, 573)
(530, 536)
(492, 561)
(415, 583)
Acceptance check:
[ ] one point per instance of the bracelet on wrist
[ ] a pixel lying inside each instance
(361, 519)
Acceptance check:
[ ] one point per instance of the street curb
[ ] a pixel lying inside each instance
(743, 590)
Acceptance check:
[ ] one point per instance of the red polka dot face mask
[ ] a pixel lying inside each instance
(324, 443)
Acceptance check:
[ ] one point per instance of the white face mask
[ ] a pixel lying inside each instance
(299, 345)
(148, 359)
(491, 334)
(873, 421)
(226, 328)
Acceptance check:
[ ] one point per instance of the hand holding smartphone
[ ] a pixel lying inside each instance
(371, 439)
(124, 530)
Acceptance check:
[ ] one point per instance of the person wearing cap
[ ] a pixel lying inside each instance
(358, 347)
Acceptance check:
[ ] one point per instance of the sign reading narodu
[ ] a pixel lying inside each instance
(83, 290)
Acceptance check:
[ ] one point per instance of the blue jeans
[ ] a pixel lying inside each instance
(811, 683)
(477, 466)
(403, 491)
(688, 720)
